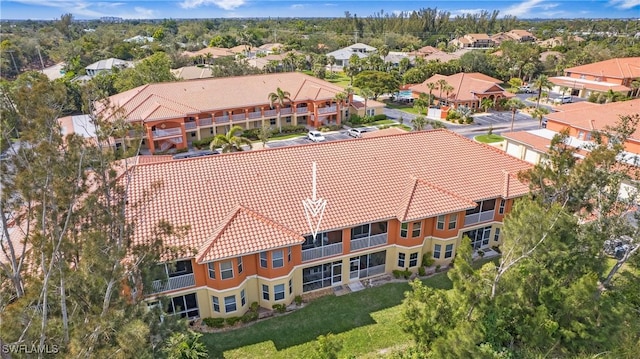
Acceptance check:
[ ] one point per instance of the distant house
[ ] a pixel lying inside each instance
(473, 40)
(616, 75)
(212, 52)
(192, 72)
(138, 39)
(342, 55)
(558, 41)
(268, 49)
(513, 35)
(106, 66)
(372, 107)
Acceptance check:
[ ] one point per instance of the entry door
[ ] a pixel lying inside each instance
(336, 275)
(354, 268)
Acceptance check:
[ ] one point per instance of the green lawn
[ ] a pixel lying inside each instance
(365, 321)
(489, 138)
(402, 126)
(339, 79)
(382, 122)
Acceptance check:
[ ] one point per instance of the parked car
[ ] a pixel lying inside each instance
(526, 89)
(181, 156)
(563, 99)
(315, 136)
(356, 132)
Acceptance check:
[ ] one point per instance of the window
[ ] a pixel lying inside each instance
(453, 221)
(193, 134)
(290, 286)
(436, 251)
(413, 259)
(404, 227)
(216, 304)
(448, 252)
(239, 265)
(277, 259)
(226, 270)
(230, 304)
(211, 130)
(184, 306)
(416, 226)
(212, 270)
(272, 122)
(243, 298)
(287, 120)
(321, 276)
(501, 208)
(479, 237)
(360, 231)
(278, 292)
(496, 236)
(401, 260)
(263, 259)
(440, 222)
(289, 254)
(581, 135)
(265, 292)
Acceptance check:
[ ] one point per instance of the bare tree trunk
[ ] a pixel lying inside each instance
(619, 265)
(63, 308)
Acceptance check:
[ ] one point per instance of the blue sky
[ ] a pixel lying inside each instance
(89, 9)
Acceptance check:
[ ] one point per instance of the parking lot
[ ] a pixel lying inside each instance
(498, 118)
(329, 136)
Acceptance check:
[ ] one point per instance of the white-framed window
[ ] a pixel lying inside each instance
(289, 254)
(360, 231)
(277, 259)
(243, 298)
(496, 235)
(404, 228)
(401, 257)
(416, 228)
(212, 270)
(263, 259)
(581, 135)
(265, 292)
(272, 122)
(453, 221)
(436, 251)
(240, 265)
(226, 270)
(230, 304)
(184, 306)
(216, 304)
(290, 286)
(413, 259)
(440, 222)
(502, 204)
(278, 292)
(448, 251)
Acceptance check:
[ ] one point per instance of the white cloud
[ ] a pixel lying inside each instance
(223, 4)
(143, 13)
(528, 8)
(74, 7)
(624, 4)
(466, 11)
(297, 6)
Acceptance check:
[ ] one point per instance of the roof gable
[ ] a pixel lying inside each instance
(422, 199)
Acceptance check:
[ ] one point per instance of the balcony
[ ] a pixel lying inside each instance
(320, 252)
(270, 113)
(238, 117)
(173, 283)
(479, 217)
(205, 122)
(222, 119)
(329, 109)
(254, 115)
(367, 242)
(302, 110)
(169, 132)
(286, 111)
(190, 125)
(367, 272)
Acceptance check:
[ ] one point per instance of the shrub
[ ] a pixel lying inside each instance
(254, 307)
(438, 268)
(402, 273)
(469, 120)
(421, 271)
(355, 119)
(203, 143)
(214, 322)
(397, 273)
(293, 129)
(330, 128)
(453, 116)
(182, 150)
(461, 121)
(250, 316)
(496, 248)
(251, 134)
(298, 300)
(280, 308)
(232, 320)
(427, 259)
(380, 117)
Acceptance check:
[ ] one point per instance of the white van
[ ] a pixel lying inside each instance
(563, 99)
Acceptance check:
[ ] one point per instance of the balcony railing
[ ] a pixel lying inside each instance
(301, 110)
(370, 241)
(286, 111)
(173, 283)
(254, 115)
(167, 133)
(205, 122)
(270, 113)
(324, 110)
(190, 125)
(222, 119)
(479, 217)
(238, 117)
(320, 252)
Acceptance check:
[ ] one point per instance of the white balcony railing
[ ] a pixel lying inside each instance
(479, 217)
(301, 110)
(270, 113)
(238, 117)
(324, 110)
(370, 241)
(190, 125)
(167, 133)
(222, 119)
(205, 122)
(320, 252)
(173, 283)
(254, 115)
(286, 111)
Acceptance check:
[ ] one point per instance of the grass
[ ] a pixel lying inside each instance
(489, 138)
(404, 127)
(382, 122)
(365, 321)
(339, 79)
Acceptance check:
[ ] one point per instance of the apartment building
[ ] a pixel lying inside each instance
(389, 200)
(473, 41)
(173, 114)
(617, 75)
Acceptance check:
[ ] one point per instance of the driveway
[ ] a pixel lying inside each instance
(329, 136)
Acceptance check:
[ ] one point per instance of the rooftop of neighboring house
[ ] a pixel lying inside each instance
(545, 54)
(167, 100)
(248, 202)
(192, 72)
(139, 39)
(576, 83)
(477, 37)
(384, 132)
(214, 51)
(426, 50)
(559, 40)
(241, 49)
(360, 49)
(271, 46)
(619, 68)
(465, 86)
(519, 34)
(589, 118)
(108, 64)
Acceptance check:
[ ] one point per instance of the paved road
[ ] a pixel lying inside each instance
(329, 136)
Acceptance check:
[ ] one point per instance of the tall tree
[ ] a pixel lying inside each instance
(513, 105)
(542, 83)
(279, 98)
(232, 141)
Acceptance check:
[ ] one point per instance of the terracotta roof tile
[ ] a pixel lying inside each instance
(422, 199)
(619, 68)
(384, 132)
(465, 86)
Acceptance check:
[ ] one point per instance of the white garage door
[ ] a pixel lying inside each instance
(531, 156)
(513, 150)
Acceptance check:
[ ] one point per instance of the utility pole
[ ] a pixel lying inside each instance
(40, 55)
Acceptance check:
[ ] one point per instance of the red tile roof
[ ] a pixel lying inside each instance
(576, 83)
(619, 68)
(384, 132)
(362, 180)
(465, 86)
(536, 142)
(422, 199)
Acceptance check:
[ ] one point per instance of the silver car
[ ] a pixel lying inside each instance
(356, 132)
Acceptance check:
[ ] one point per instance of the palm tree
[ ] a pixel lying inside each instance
(331, 60)
(208, 57)
(539, 113)
(542, 82)
(431, 86)
(486, 104)
(230, 142)
(441, 85)
(366, 93)
(279, 98)
(564, 90)
(339, 99)
(418, 123)
(185, 346)
(514, 104)
(448, 89)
